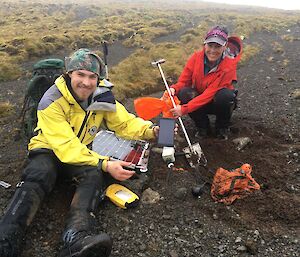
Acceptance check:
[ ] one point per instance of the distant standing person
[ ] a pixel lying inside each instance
(69, 115)
(206, 84)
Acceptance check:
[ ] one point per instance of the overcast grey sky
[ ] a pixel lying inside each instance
(280, 4)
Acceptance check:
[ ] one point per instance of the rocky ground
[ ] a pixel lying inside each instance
(179, 224)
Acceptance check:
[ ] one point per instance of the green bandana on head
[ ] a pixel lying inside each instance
(84, 59)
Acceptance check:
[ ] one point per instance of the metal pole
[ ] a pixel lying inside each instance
(105, 54)
(174, 105)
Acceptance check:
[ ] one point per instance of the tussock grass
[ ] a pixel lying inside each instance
(285, 62)
(34, 29)
(249, 51)
(6, 109)
(277, 47)
(289, 38)
(135, 76)
(9, 69)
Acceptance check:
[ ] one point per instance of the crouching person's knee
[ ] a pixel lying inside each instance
(187, 94)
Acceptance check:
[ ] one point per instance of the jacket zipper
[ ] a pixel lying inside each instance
(83, 124)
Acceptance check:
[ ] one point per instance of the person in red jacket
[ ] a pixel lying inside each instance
(206, 84)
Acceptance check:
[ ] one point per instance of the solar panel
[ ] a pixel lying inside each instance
(134, 151)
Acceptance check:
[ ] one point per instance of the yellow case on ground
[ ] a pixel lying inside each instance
(122, 196)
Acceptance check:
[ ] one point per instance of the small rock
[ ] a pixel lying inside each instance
(150, 196)
(173, 253)
(180, 241)
(196, 245)
(181, 193)
(221, 248)
(296, 94)
(50, 227)
(238, 239)
(177, 233)
(166, 217)
(198, 224)
(10, 92)
(251, 246)
(242, 248)
(241, 142)
(143, 247)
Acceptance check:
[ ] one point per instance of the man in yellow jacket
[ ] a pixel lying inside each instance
(69, 116)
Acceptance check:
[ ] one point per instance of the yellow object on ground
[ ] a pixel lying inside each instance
(122, 196)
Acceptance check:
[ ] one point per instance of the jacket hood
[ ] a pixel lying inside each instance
(234, 48)
(61, 84)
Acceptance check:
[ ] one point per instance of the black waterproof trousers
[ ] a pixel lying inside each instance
(222, 106)
(38, 179)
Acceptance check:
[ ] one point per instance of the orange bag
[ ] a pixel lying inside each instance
(228, 186)
(150, 107)
(166, 98)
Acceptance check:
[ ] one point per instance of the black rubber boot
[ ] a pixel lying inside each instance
(79, 238)
(223, 133)
(11, 237)
(16, 219)
(81, 244)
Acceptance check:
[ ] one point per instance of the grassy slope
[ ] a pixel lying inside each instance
(33, 29)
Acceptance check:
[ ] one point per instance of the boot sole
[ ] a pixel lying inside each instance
(101, 248)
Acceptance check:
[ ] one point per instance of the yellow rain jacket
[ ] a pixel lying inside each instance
(66, 128)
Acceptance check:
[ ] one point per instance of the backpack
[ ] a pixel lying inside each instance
(45, 72)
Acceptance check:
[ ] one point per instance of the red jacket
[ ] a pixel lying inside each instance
(207, 85)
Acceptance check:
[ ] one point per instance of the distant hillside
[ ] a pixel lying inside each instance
(34, 29)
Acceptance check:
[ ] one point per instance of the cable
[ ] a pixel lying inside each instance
(170, 166)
